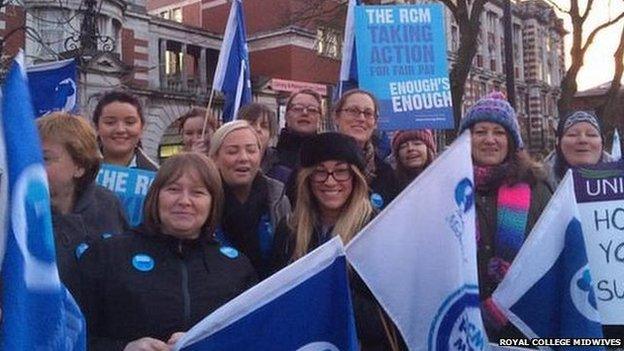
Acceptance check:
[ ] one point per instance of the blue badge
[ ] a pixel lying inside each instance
(377, 201)
(143, 262)
(229, 252)
(105, 236)
(80, 249)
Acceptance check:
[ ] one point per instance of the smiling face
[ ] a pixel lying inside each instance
(581, 144)
(238, 158)
(192, 132)
(184, 206)
(303, 114)
(119, 128)
(490, 143)
(331, 183)
(413, 154)
(357, 118)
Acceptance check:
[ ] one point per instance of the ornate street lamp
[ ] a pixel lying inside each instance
(86, 43)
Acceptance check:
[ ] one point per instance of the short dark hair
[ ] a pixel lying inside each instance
(255, 111)
(174, 168)
(117, 96)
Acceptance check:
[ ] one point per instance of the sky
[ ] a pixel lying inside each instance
(598, 67)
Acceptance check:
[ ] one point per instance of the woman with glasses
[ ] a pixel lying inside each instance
(254, 203)
(356, 114)
(332, 196)
(303, 114)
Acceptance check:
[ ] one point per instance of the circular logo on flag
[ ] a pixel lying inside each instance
(582, 294)
(319, 346)
(464, 195)
(31, 219)
(457, 325)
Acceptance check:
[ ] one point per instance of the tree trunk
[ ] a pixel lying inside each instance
(611, 111)
(459, 72)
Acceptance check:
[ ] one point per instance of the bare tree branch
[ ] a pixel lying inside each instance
(557, 6)
(587, 9)
(596, 30)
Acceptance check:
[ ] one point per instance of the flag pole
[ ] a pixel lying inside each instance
(208, 109)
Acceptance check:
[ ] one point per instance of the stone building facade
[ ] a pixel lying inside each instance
(166, 51)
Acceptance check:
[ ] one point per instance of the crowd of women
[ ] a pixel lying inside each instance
(231, 210)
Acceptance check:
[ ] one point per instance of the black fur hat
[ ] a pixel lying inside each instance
(331, 146)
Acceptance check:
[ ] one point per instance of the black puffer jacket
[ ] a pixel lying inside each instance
(97, 213)
(368, 312)
(150, 284)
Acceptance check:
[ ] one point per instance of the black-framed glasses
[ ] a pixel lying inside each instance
(300, 109)
(354, 112)
(340, 175)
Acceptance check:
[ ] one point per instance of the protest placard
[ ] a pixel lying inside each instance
(130, 184)
(600, 196)
(401, 58)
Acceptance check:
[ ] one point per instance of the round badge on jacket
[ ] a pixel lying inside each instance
(143, 262)
(229, 252)
(80, 249)
(377, 201)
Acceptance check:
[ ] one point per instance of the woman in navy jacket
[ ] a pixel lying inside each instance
(143, 290)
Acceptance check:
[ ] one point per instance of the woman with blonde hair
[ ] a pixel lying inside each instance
(254, 203)
(332, 199)
(82, 212)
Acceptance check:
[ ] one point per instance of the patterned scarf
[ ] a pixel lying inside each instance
(512, 203)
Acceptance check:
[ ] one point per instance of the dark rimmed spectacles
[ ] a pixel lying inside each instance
(300, 109)
(340, 175)
(353, 112)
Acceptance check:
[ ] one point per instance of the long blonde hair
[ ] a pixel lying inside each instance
(355, 213)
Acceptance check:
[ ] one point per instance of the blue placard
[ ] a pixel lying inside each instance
(401, 57)
(130, 184)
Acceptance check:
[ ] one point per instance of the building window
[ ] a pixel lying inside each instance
(173, 14)
(173, 63)
(328, 42)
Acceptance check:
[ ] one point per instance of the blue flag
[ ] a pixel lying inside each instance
(548, 291)
(38, 312)
(348, 66)
(53, 87)
(232, 72)
(305, 306)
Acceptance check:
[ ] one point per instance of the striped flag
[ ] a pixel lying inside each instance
(232, 72)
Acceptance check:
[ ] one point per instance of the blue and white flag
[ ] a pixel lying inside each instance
(38, 312)
(418, 257)
(305, 306)
(616, 147)
(548, 291)
(53, 87)
(348, 66)
(232, 72)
